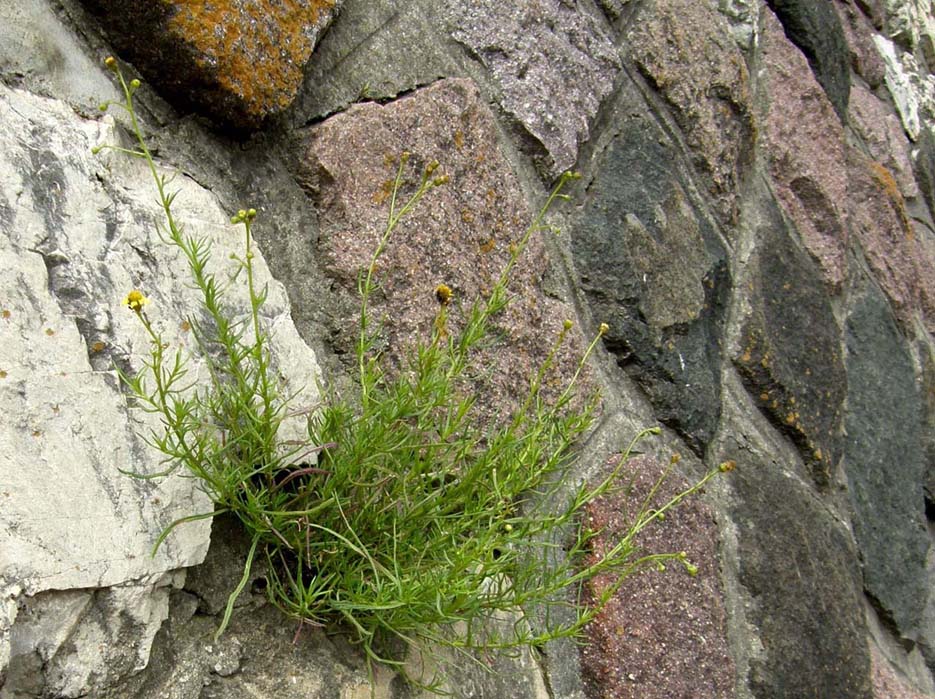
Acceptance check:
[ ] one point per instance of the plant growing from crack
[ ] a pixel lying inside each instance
(416, 524)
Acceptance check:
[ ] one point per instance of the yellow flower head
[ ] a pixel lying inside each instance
(603, 329)
(443, 294)
(135, 301)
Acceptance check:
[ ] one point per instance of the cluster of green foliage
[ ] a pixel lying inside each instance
(401, 518)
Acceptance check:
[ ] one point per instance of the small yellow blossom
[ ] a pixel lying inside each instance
(111, 62)
(567, 324)
(135, 301)
(603, 329)
(443, 294)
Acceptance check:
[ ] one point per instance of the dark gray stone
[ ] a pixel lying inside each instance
(884, 462)
(816, 29)
(799, 565)
(373, 51)
(790, 353)
(928, 426)
(654, 270)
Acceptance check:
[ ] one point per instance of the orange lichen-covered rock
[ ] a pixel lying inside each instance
(237, 61)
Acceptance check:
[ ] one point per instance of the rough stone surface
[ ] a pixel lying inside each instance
(743, 16)
(899, 262)
(884, 462)
(910, 24)
(790, 353)
(882, 134)
(376, 51)
(799, 567)
(685, 49)
(459, 234)
(664, 633)
(552, 63)
(859, 32)
(649, 100)
(80, 235)
(928, 425)
(912, 89)
(652, 267)
(816, 29)
(805, 149)
(38, 50)
(240, 61)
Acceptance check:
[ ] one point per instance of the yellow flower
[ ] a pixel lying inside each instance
(443, 294)
(135, 301)
(603, 329)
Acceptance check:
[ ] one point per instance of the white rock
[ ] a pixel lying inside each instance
(912, 89)
(78, 234)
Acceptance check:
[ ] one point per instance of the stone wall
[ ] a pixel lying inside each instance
(754, 222)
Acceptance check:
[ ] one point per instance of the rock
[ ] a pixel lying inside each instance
(800, 580)
(459, 234)
(903, 267)
(790, 349)
(927, 354)
(924, 166)
(374, 51)
(743, 16)
(663, 634)
(39, 52)
(238, 61)
(553, 65)
(859, 32)
(80, 233)
(874, 11)
(805, 152)
(815, 28)
(684, 48)
(879, 128)
(884, 462)
(912, 89)
(652, 267)
(70, 642)
(910, 24)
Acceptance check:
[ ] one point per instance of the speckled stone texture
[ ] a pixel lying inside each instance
(663, 635)
(686, 50)
(459, 234)
(805, 150)
(898, 259)
(552, 63)
(799, 565)
(877, 125)
(815, 28)
(239, 61)
(790, 354)
(652, 266)
(884, 463)
(865, 60)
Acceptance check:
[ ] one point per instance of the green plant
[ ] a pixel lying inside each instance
(417, 523)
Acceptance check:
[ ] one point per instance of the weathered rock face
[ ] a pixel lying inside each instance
(240, 62)
(78, 235)
(754, 222)
(790, 353)
(652, 266)
(884, 462)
